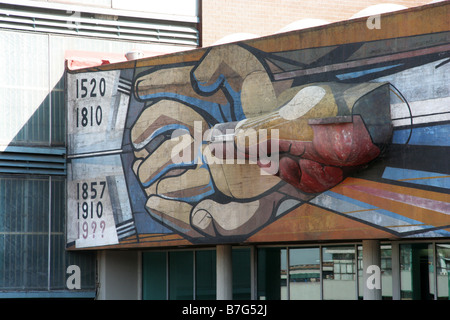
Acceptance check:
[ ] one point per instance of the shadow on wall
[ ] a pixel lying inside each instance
(38, 147)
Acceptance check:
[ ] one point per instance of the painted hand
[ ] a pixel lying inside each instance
(319, 133)
(187, 188)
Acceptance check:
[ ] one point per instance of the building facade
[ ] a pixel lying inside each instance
(37, 38)
(292, 166)
(238, 20)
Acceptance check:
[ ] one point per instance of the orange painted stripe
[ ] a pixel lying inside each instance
(435, 218)
(311, 223)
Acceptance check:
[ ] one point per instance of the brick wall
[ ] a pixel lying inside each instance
(221, 18)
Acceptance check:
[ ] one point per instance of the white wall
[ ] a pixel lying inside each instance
(171, 7)
(119, 275)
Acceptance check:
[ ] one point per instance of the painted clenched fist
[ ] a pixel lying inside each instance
(197, 114)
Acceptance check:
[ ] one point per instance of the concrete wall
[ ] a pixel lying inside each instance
(235, 20)
(188, 8)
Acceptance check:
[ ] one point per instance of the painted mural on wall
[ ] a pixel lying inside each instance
(250, 142)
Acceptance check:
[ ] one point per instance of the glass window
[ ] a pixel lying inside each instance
(241, 274)
(417, 271)
(29, 259)
(60, 259)
(406, 272)
(304, 274)
(271, 274)
(58, 116)
(386, 272)
(32, 89)
(154, 276)
(179, 281)
(24, 233)
(180, 278)
(181, 275)
(443, 271)
(205, 274)
(24, 88)
(338, 273)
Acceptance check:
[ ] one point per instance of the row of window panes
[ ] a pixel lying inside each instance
(191, 274)
(32, 209)
(32, 97)
(307, 273)
(172, 275)
(332, 272)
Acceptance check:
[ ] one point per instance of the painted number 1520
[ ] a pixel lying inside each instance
(90, 88)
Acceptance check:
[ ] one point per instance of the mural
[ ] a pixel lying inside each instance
(264, 141)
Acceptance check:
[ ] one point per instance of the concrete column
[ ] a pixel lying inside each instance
(253, 273)
(118, 275)
(224, 290)
(395, 271)
(372, 270)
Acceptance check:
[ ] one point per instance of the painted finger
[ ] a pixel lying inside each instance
(173, 214)
(161, 161)
(157, 122)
